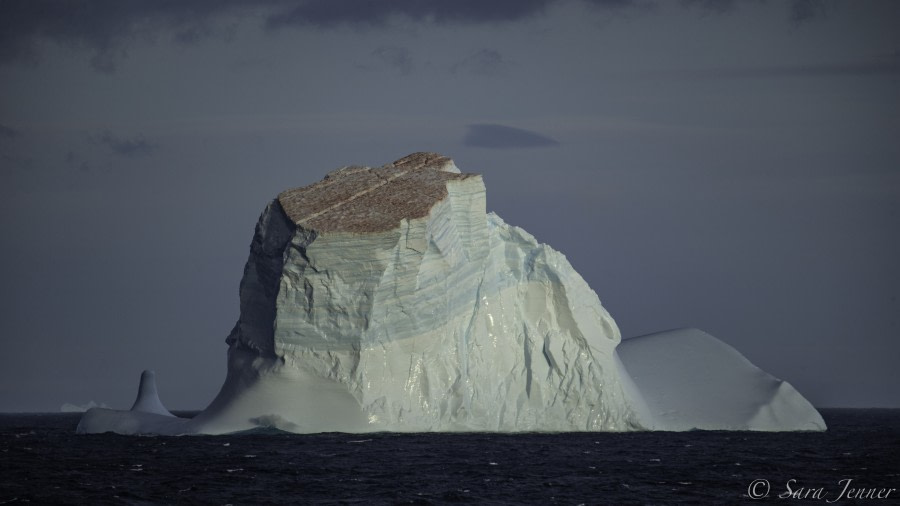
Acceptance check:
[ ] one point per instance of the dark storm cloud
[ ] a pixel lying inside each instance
(107, 27)
(484, 62)
(131, 148)
(8, 132)
(328, 13)
(494, 136)
(104, 27)
(798, 11)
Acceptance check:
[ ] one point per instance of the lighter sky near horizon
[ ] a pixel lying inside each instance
(731, 166)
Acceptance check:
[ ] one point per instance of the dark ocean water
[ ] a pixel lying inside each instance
(43, 461)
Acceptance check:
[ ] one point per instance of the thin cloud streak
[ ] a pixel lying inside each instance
(881, 66)
(798, 11)
(493, 136)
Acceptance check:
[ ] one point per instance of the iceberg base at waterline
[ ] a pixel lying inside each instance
(677, 380)
(389, 299)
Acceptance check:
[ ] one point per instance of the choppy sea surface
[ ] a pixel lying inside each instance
(43, 461)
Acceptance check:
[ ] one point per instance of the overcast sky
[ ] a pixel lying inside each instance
(727, 165)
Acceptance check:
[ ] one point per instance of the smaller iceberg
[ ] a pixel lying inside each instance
(687, 379)
(146, 416)
(148, 396)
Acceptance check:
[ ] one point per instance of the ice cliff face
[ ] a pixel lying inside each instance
(395, 293)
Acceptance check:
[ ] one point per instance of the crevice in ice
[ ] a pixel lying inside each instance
(548, 356)
(528, 344)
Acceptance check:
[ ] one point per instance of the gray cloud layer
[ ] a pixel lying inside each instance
(104, 27)
(107, 27)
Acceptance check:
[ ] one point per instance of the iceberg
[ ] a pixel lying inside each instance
(686, 379)
(389, 299)
(147, 400)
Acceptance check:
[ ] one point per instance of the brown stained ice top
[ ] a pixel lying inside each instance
(364, 199)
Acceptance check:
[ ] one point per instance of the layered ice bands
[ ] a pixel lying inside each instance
(388, 299)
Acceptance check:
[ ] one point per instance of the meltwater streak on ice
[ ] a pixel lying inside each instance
(388, 299)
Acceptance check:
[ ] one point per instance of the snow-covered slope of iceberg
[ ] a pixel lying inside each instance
(389, 299)
(690, 380)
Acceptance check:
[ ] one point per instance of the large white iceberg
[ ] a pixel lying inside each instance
(389, 299)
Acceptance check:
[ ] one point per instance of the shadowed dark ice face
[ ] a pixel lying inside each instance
(730, 166)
